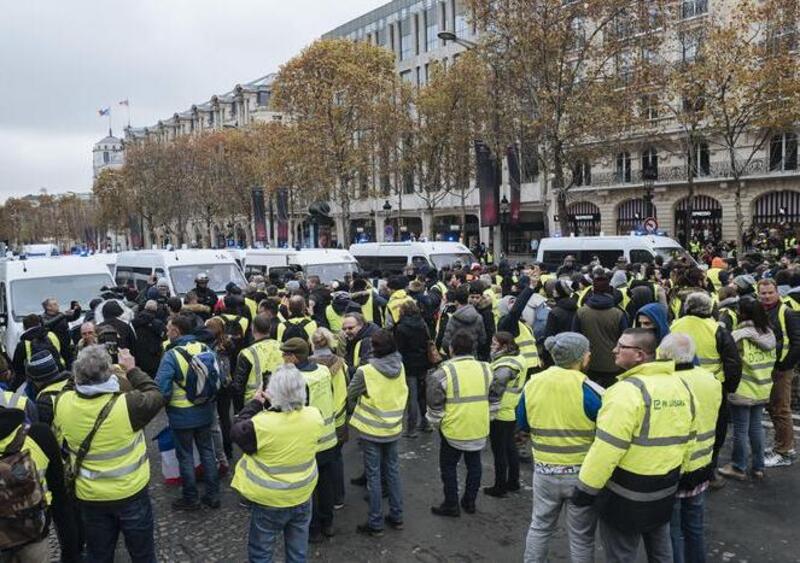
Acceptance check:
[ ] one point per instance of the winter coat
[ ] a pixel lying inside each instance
(602, 322)
(127, 336)
(466, 319)
(150, 334)
(657, 313)
(411, 336)
(561, 315)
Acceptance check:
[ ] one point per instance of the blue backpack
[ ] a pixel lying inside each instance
(202, 379)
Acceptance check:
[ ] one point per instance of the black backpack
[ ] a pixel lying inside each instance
(295, 330)
(233, 328)
(42, 343)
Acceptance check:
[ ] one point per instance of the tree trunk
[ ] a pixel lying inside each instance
(561, 196)
(739, 218)
(344, 193)
(464, 218)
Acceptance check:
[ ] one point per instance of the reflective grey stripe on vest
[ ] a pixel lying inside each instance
(105, 456)
(612, 440)
(257, 367)
(562, 433)
(637, 496)
(457, 398)
(120, 472)
(276, 484)
(709, 361)
(706, 436)
(15, 397)
(377, 423)
(560, 449)
(327, 438)
(763, 365)
(644, 439)
(701, 453)
(380, 413)
(755, 381)
(279, 469)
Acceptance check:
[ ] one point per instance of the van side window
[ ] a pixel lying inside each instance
(160, 273)
(419, 262)
(368, 263)
(3, 300)
(124, 275)
(394, 264)
(554, 258)
(608, 258)
(641, 256)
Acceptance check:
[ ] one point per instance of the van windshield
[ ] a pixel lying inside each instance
(329, 272)
(672, 253)
(218, 277)
(444, 260)
(27, 295)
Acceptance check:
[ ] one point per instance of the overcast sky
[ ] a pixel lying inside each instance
(62, 60)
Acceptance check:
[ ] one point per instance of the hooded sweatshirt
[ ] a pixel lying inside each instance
(467, 319)
(764, 340)
(602, 322)
(390, 366)
(657, 313)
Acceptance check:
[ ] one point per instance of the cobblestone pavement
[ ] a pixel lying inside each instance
(746, 522)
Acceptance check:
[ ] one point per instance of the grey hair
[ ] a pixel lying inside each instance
(357, 316)
(699, 304)
(678, 347)
(287, 388)
(92, 366)
(323, 338)
(151, 305)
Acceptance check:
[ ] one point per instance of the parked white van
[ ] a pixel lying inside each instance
(395, 256)
(179, 268)
(327, 263)
(635, 249)
(40, 250)
(24, 284)
(265, 260)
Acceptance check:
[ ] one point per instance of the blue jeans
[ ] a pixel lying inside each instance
(267, 524)
(747, 423)
(103, 525)
(382, 458)
(686, 529)
(184, 438)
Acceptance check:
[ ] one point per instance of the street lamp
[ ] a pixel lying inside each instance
(450, 36)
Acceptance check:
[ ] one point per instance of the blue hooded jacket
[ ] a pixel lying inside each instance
(181, 418)
(657, 313)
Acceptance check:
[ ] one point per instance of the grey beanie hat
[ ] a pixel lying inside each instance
(567, 348)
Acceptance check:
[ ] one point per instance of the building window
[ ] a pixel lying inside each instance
(420, 78)
(692, 8)
(211, 118)
(431, 30)
(427, 73)
(529, 162)
(783, 152)
(262, 99)
(690, 45)
(702, 160)
(582, 173)
(405, 39)
(406, 77)
(233, 110)
(460, 23)
(623, 170)
(106, 157)
(650, 164)
(650, 107)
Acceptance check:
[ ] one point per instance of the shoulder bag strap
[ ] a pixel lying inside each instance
(87, 442)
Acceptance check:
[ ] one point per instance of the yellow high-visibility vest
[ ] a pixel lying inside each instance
(379, 412)
(466, 411)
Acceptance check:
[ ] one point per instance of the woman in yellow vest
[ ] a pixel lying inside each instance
(378, 395)
(509, 370)
(278, 471)
(757, 346)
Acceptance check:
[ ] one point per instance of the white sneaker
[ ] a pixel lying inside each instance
(777, 460)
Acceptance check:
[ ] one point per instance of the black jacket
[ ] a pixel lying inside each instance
(61, 510)
(411, 336)
(365, 337)
(560, 318)
(37, 333)
(206, 296)
(150, 334)
(127, 337)
(59, 325)
(485, 310)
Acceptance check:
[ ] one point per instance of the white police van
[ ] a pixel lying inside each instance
(25, 284)
(394, 257)
(635, 249)
(179, 267)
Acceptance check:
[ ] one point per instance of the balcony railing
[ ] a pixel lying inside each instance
(718, 170)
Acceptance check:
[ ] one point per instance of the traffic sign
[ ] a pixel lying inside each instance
(651, 225)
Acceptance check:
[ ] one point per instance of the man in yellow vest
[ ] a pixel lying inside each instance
(644, 435)
(786, 326)
(255, 364)
(47, 381)
(716, 351)
(279, 437)
(686, 528)
(357, 333)
(190, 423)
(112, 481)
(397, 285)
(371, 303)
(559, 408)
(458, 402)
(34, 338)
(377, 395)
(320, 395)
